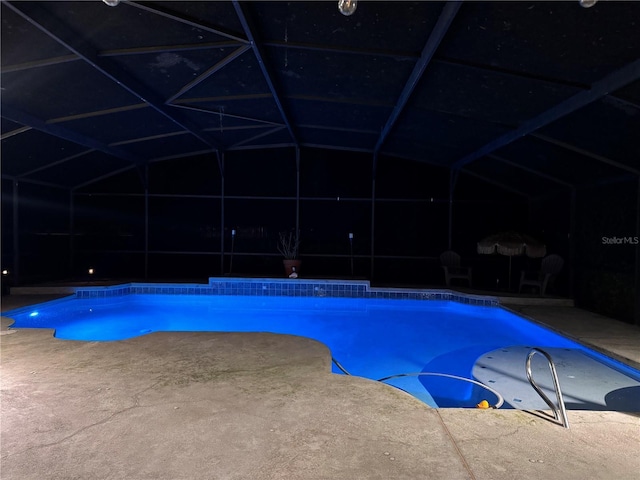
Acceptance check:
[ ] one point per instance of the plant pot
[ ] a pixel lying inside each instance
(290, 265)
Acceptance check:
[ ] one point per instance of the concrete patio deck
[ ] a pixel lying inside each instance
(185, 405)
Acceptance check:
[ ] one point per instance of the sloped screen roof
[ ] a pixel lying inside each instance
(534, 95)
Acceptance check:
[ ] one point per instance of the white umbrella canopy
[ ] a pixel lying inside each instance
(511, 244)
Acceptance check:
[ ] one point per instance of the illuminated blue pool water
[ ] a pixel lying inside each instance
(372, 338)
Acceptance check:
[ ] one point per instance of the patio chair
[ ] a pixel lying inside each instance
(450, 262)
(550, 267)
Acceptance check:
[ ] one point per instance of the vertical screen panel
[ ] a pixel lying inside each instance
(194, 176)
(325, 226)
(184, 224)
(332, 174)
(410, 228)
(43, 223)
(7, 224)
(257, 223)
(267, 172)
(399, 178)
(109, 222)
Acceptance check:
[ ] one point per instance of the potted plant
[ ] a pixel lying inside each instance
(288, 245)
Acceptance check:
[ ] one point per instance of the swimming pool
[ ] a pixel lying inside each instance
(370, 337)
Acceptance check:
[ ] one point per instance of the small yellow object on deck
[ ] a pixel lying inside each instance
(483, 404)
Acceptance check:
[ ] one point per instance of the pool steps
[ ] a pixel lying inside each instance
(498, 404)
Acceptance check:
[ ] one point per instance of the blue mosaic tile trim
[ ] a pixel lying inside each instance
(411, 294)
(103, 292)
(272, 287)
(171, 289)
(289, 288)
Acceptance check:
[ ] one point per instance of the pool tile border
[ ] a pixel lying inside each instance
(277, 287)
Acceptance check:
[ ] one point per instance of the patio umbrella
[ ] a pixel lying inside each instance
(512, 244)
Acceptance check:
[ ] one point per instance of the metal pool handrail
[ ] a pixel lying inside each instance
(340, 366)
(559, 411)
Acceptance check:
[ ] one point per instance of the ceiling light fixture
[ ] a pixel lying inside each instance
(112, 3)
(587, 3)
(347, 7)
